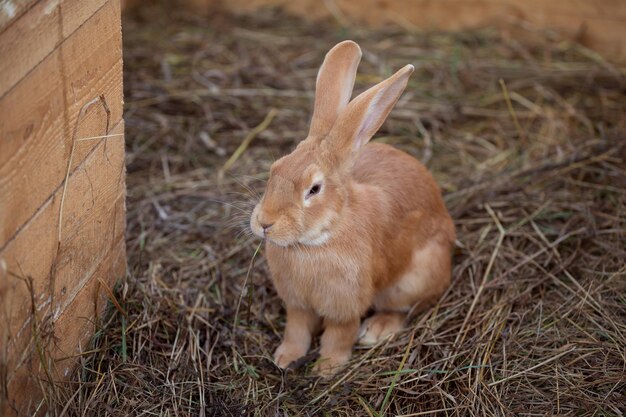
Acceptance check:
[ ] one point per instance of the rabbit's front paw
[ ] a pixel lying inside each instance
(287, 353)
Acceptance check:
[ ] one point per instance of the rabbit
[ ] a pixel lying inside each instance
(350, 226)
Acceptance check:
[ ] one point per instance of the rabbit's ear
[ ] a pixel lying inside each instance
(333, 88)
(362, 118)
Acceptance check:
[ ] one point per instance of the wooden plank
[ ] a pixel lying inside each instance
(72, 332)
(76, 12)
(92, 230)
(73, 57)
(97, 228)
(43, 110)
(27, 42)
(11, 10)
(92, 210)
(75, 326)
(30, 37)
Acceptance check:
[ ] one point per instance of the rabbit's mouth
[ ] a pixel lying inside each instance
(278, 233)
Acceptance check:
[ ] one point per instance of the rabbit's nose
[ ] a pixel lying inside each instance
(266, 226)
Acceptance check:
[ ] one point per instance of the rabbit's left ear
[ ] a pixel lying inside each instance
(362, 118)
(333, 88)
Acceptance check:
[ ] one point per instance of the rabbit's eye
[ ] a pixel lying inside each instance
(314, 190)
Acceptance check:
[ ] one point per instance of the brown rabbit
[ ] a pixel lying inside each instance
(350, 225)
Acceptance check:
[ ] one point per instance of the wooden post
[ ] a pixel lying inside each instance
(62, 186)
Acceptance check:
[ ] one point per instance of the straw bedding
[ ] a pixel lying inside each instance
(526, 139)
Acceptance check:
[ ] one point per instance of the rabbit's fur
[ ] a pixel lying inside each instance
(350, 225)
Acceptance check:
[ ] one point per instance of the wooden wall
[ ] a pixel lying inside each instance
(598, 24)
(60, 83)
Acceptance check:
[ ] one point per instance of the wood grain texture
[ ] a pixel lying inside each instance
(92, 229)
(11, 10)
(72, 331)
(36, 30)
(27, 42)
(75, 326)
(93, 218)
(76, 12)
(42, 111)
(63, 56)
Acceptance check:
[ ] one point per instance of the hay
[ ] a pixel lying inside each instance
(527, 141)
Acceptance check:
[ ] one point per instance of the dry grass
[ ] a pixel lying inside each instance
(533, 171)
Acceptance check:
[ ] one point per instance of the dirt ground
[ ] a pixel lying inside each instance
(527, 142)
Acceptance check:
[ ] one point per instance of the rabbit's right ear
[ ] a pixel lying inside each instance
(333, 88)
